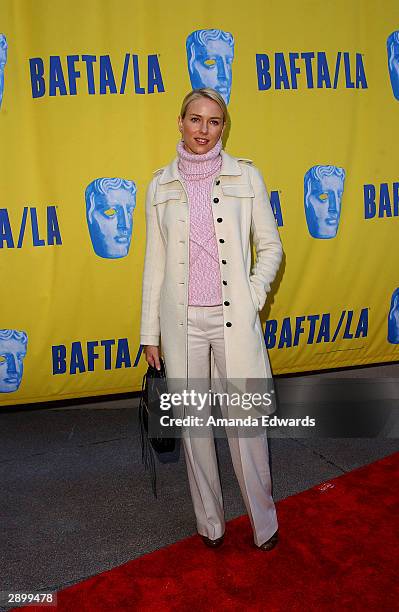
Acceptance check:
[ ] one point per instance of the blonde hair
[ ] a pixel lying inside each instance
(204, 92)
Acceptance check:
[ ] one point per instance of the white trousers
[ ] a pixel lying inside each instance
(249, 454)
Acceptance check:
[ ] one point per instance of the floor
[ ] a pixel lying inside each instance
(75, 499)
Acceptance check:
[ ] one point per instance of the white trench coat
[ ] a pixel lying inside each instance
(240, 205)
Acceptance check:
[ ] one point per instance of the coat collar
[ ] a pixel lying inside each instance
(230, 167)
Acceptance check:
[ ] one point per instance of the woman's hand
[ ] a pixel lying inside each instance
(152, 355)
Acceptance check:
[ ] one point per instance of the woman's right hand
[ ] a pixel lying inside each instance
(152, 356)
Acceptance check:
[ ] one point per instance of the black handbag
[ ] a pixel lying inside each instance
(153, 385)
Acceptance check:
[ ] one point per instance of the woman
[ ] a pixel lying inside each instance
(201, 299)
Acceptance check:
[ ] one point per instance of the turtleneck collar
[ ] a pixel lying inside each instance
(195, 167)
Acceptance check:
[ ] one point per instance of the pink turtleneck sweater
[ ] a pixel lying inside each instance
(198, 172)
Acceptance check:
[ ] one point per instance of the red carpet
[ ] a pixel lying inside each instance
(338, 551)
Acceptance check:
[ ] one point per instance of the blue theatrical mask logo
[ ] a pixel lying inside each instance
(393, 319)
(393, 61)
(210, 55)
(110, 203)
(13, 345)
(324, 186)
(3, 61)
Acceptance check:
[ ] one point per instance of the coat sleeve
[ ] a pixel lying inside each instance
(153, 274)
(269, 251)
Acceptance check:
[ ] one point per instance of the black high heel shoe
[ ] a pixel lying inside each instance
(270, 543)
(213, 543)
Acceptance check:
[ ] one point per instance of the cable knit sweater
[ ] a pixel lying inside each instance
(198, 172)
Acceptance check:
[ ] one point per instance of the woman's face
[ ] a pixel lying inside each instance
(202, 125)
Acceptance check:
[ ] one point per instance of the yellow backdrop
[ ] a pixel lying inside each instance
(91, 91)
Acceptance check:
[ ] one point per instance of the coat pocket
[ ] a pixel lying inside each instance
(164, 196)
(240, 190)
(254, 296)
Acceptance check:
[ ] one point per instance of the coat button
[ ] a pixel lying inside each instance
(228, 324)
(226, 303)
(216, 200)
(219, 219)
(224, 282)
(221, 240)
(217, 182)
(224, 261)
